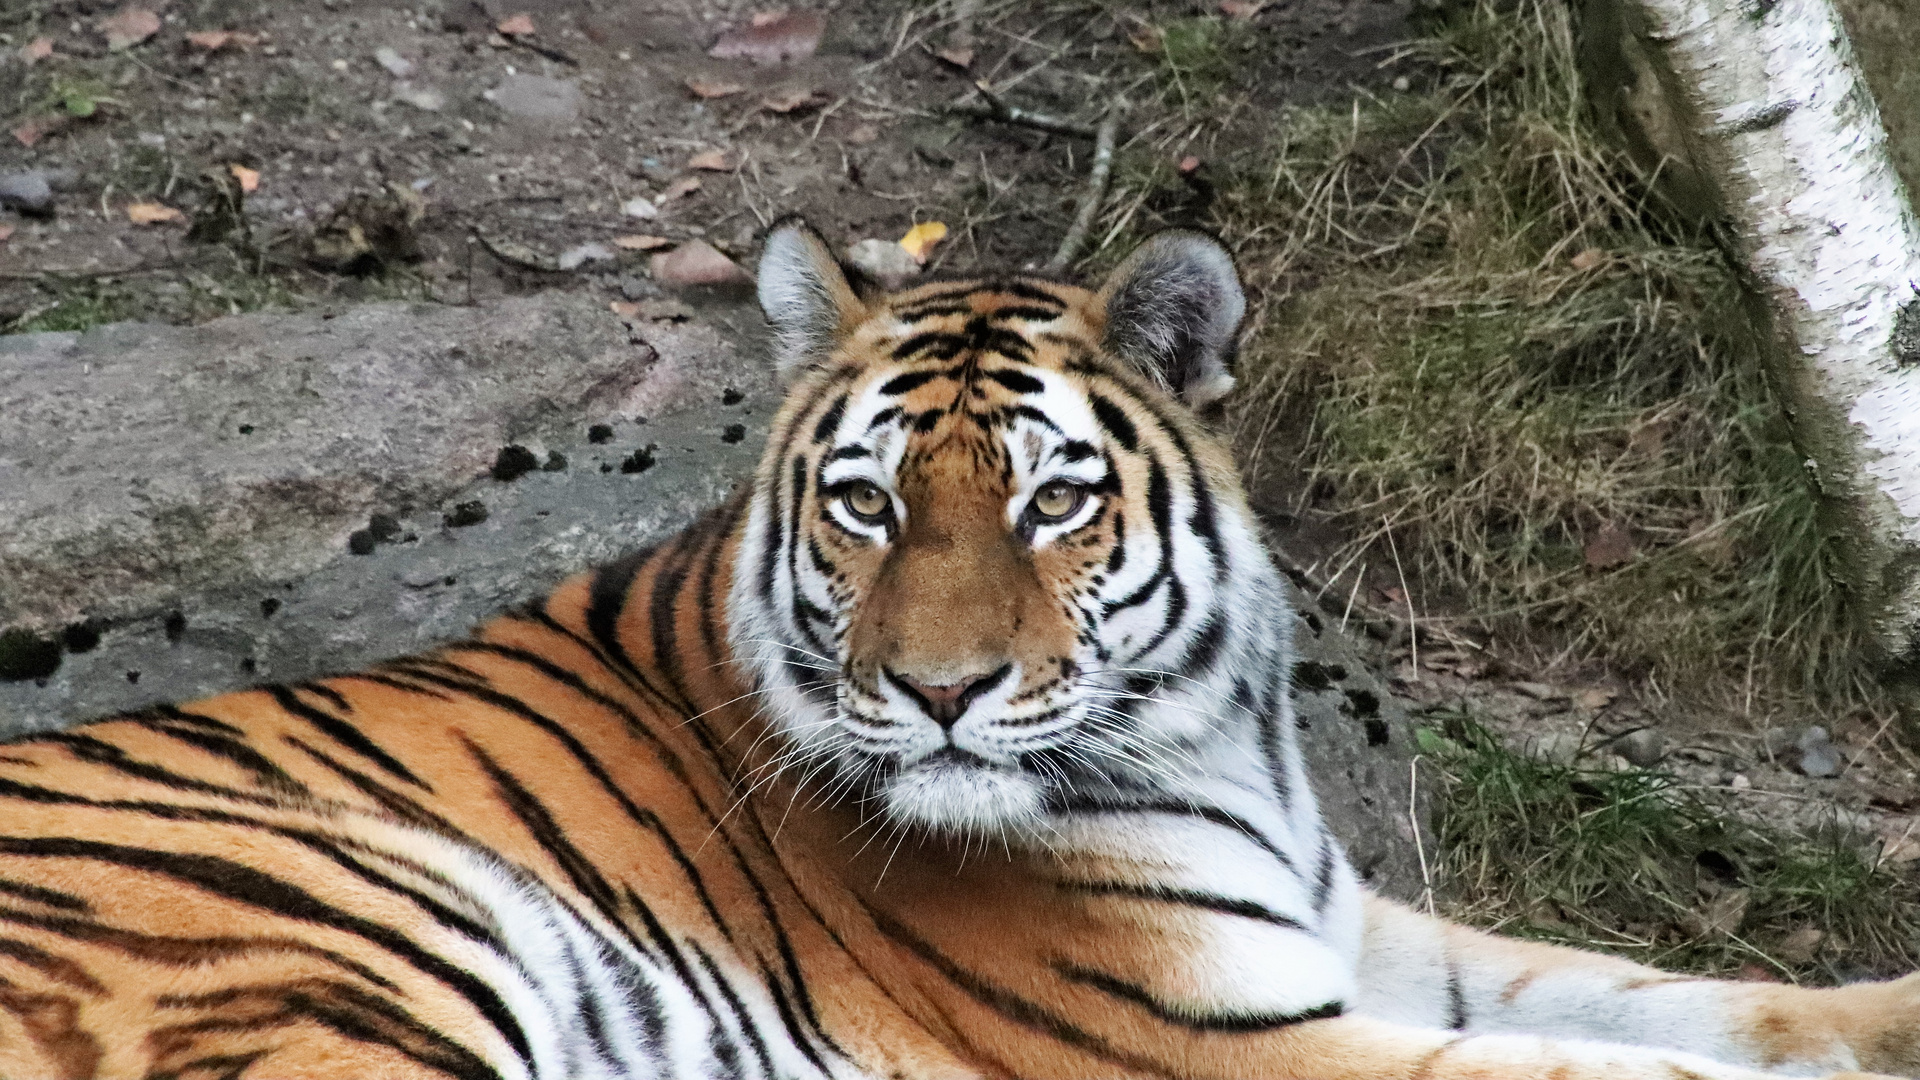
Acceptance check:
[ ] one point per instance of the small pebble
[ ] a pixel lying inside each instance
(640, 208)
(1402, 84)
(465, 514)
(424, 98)
(397, 66)
(1644, 748)
(28, 192)
(1740, 782)
(1818, 756)
(883, 260)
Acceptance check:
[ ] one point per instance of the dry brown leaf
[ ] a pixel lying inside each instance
(129, 27)
(711, 161)
(1900, 841)
(1756, 973)
(696, 263)
(641, 242)
(38, 49)
(1721, 916)
(1189, 165)
(626, 309)
(249, 178)
(1608, 547)
(210, 40)
(1593, 699)
(960, 58)
(863, 134)
(520, 25)
(1588, 258)
(5, 231)
(1148, 38)
(152, 213)
(713, 88)
(1801, 946)
(788, 102)
(38, 128)
(772, 37)
(1241, 9)
(920, 240)
(680, 189)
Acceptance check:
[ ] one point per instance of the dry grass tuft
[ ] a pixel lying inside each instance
(1484, 335)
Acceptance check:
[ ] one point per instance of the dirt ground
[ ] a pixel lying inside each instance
(606, 107)
(449, 150)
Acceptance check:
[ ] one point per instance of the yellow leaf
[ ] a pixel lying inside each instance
(151, 213)
(920, 239)
(249, 178)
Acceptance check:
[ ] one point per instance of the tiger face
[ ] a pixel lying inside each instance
(986, 562)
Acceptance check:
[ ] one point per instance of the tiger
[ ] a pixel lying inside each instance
(957, 745)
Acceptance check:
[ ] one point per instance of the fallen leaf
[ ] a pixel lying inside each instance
(696, 263)
(1899, 841)
(38, 128)
(863, 134)
(210, 40)
(626, 309)
(1756, 973)
(5, 231)
(1148, 38)
(641, 242)
(792, 101)
(152, 213)
(249, 178)
(1608, 547)
(772, 37)
(1588, 258)
(1241, 9)
(520, 25)
(713, 88)
(1189, 165)
(1593, 699)
(960, 58)
(1721, 916)
(38, 49)
(680, 189)
(129, 27)
(710, 160)
(920, 240)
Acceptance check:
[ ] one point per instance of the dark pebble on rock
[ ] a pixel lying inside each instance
(640, 460)
(734, 433)
(556, 462)
(361, 542)
(82, 637)
(514, 462)
(466, 513)
(384, 527)
(268, 607)
(26, 655)
(176, 628)
(600, 433)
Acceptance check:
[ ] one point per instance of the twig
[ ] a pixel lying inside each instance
(111, 271)
(1095, 194)
(992, 106)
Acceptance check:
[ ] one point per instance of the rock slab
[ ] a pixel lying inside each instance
(140, 462)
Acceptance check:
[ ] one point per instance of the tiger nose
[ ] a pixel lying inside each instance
(945, 704)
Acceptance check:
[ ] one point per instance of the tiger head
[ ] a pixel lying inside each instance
(994, 563)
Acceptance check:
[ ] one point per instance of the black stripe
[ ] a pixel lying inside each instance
(912, 380)
(1212, 815)
(1017, 381)
(344, 733)
(1237, 1023)
(1026, 291)
(846, 453)
(1323, 873)
(742, 1018)
(829, 421)
(40, 894)
(1456, 1000)
(245, 885)
(540, 824)
(95, 751)
(1029, 313)
(1225, 905)
(1114, 419)
(393, 802)
(1011, 1005)
(611, 587)
(266, 772)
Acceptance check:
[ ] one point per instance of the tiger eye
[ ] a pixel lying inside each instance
(1058, 499)
(867, 501)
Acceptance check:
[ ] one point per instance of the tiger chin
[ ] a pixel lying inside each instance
(959, 745)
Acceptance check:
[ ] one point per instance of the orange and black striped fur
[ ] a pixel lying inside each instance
(960, 747)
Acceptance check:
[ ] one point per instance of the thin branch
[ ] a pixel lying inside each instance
(992, 106)
(1089, 201)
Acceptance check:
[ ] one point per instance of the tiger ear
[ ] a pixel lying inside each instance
(805, 295)
(1173, 310)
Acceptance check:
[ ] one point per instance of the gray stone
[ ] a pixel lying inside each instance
(28, 192)
(537, 98)
(1818, 756)
(397, 66)
(1644, 748)
(1553, 747)
(884, 261)
(144, 462)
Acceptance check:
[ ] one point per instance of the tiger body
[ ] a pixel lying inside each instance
(959, 746)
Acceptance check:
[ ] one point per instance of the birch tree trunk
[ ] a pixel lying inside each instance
(1788, 132)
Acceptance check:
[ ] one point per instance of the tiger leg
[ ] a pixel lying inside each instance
(1425, 972)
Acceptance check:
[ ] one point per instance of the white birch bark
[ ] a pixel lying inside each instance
(1830, 237)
